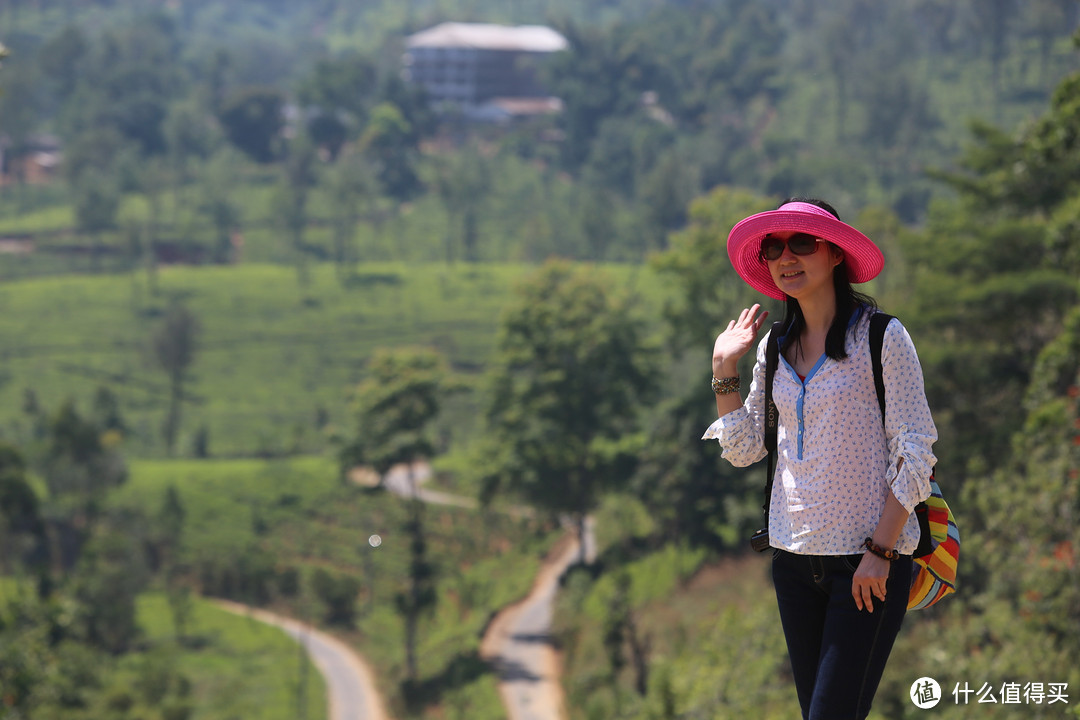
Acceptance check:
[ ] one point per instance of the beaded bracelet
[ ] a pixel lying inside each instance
(881, 552)
(725, 386)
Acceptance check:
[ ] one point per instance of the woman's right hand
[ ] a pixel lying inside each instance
(733, 343)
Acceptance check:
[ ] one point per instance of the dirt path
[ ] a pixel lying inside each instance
(518, 642)
(408, 482)
(350, 684)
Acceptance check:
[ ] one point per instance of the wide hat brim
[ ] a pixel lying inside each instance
(863, 259)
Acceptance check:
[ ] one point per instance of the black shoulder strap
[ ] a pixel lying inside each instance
(878, 323)
(772, 360)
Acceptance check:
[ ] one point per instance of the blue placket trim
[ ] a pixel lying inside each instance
(802, 384)
(800, 402)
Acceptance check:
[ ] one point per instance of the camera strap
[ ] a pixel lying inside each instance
(772, 360)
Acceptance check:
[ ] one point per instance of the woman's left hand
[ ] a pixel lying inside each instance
(869, 580)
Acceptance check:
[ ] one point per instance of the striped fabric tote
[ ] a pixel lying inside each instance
(934, 574)
(938, 552)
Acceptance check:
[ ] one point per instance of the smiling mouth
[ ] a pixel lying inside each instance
(796, 273)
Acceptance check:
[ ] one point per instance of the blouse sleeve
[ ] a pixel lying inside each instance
(909, 426)
(741, 432)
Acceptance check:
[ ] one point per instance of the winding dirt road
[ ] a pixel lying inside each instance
(518, 641)
(519, 645)
(350, 684)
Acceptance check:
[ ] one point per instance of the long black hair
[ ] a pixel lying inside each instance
(848, 301)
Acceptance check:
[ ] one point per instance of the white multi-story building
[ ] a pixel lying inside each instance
(472, 64)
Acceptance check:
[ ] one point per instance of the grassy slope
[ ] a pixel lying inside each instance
(244, 669)
(273, 355)
(234, 667)
(714, 644)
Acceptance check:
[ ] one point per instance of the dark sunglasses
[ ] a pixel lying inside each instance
(800, 243)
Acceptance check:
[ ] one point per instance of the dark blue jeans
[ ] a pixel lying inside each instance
(838, 652)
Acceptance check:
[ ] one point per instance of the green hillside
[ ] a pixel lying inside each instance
(275, 363)
(218, 667)
(258, 171)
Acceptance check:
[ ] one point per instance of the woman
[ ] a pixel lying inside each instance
(846, 480)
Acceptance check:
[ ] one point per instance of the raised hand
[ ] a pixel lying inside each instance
(732, 344)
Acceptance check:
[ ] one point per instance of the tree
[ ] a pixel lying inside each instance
(393, 144)
(174, 345)
(663, 196)
(22, 529)
(106, 411)
(253, 120)
(595, 215)
(463, 184)
(217, 205)
(190, 133)
(97, 200)
(601, 76)
(19, 115)
(77, 465)
(63, 58)
(698, 497)
(106, 582)
(571, 375)
(621, 633)
(353, 191)
(336, 97)
(291, 200)
(993, 21)
(1031, 172)
(993, 276)
(169, 525)
(396, 406)
(419, 597)
(338, 593)
(124, 82)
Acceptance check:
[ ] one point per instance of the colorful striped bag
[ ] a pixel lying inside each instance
(938, 552)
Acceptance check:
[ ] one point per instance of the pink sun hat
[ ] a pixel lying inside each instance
(862, 257)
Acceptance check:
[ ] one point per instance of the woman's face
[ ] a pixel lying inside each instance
(804, 276)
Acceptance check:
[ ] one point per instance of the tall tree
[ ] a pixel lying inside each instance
(601, 76)
(106, 581)
(174, 345)
(464, 183)
(337, 98)
(697, 497)
(291, 201)
(97, 201)
(253, 119)
(419, 597)
(396, 407)
(392, 142)
(993, 276)
(22, 529)
(216, 203)
(353, 193)
(78, 466)
(572, 373)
